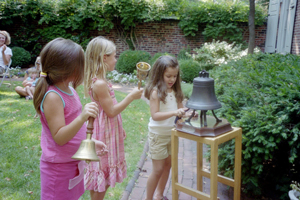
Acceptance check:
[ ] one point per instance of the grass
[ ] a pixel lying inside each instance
(20, 149)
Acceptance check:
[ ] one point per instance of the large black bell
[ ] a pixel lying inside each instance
(203, 97)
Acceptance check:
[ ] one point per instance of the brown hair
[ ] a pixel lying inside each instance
(156, 79)
(61, 59)
(7, 37)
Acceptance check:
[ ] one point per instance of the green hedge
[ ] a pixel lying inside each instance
(128, 59)
(20, 57)
(260, 93)
(157, 55)
(189, 70)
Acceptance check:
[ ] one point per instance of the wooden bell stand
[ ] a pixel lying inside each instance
(214, 142)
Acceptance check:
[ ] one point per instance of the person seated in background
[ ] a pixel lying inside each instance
(31, 82)
(21, 90)
(5, 52)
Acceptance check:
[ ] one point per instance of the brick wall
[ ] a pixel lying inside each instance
(296, 34)
(164, 36)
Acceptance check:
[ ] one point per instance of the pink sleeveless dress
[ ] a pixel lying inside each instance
(61, 176)
(112, 167)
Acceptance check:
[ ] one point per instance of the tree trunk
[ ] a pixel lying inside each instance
(251, 24)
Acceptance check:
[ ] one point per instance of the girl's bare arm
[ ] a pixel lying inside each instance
(61, 132)
(159, 116)
(101, 94)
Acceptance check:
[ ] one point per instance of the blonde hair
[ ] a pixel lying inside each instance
(156, 79)
(61, 59)
(32, 70)
(38, 60)
(94, 65)
(7, 37)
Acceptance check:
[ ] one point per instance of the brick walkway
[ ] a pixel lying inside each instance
(187, 168)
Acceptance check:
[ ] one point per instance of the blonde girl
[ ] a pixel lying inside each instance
(100, 57)
(22, 91)
(163, 89)
(62, 119)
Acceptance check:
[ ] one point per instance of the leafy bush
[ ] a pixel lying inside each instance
(189, 70)
(187, 89)
(184, 53)
(128, 60)
(215, 53)
(219, 20)
(20, 57)
(17, 72)
(157, 55)
(260, 94)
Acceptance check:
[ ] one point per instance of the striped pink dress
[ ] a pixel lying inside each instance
(112, 167)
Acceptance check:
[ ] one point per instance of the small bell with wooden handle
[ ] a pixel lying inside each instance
(142, 71)
(87, 150)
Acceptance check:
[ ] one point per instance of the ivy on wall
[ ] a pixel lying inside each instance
(220, 21)
(44, 20)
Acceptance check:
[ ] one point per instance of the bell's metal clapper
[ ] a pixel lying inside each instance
(203, 98)
(87, 150)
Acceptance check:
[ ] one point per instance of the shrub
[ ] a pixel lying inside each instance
(157, 55)
(187, 89)
(260, 94)
(189, 70)
(20, 57)
(128, 60)
(184, 53)
(17, 72)
(215, 53)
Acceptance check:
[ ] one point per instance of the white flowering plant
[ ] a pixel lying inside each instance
(117, 77)
(295, 187)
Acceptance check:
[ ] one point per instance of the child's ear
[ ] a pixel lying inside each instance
(104, 57)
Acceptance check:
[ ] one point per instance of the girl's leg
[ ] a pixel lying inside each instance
(29, 91)
(21, 91)
(163, 179)
(32, 91)
(157, 170)
(98, 195)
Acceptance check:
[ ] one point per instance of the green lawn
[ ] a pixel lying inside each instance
(20, 144)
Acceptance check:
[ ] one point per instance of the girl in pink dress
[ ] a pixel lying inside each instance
(62, 119)
(100, 58)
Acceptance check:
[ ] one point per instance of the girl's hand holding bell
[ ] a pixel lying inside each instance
(90, 110)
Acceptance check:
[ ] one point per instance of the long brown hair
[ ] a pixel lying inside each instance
(61, 59)
(156, 79)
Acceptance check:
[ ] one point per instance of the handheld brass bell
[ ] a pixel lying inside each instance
(87, 150)
(142, 71)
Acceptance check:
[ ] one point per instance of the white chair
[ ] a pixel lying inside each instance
(6, 73)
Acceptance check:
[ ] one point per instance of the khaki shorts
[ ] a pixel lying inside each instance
(159, 146)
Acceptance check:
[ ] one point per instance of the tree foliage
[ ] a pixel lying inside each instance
(43, 20)
(219, 21)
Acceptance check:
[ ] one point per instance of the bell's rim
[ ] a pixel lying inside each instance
(203, 107)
